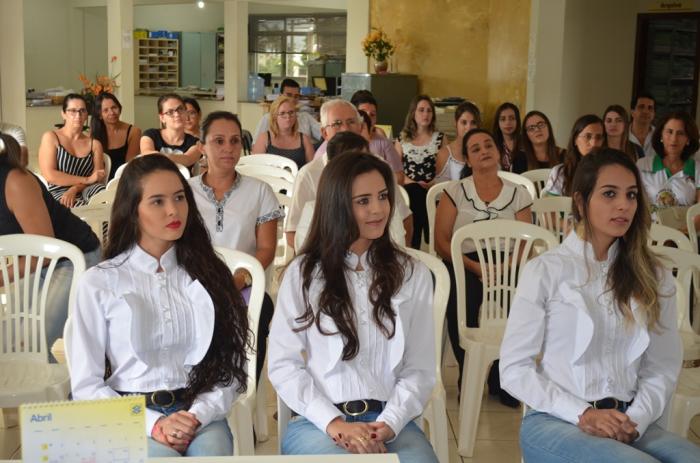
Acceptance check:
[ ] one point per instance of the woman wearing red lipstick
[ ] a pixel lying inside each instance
(355, 304)
(591, 343)
(161, 317)
(239, 212)
(672, 177)
(480, 195)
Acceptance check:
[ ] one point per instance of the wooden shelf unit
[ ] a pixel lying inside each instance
(157, 64)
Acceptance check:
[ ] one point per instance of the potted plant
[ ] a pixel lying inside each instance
(378, 46)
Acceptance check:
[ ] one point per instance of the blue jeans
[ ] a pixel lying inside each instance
(545, 438)
(304, 438)
(56, 311)
(213, 440)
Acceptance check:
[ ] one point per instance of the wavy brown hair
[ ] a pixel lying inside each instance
(225, 360)
(410, 128)
(573, 155)
(333, 231)
(634, 273)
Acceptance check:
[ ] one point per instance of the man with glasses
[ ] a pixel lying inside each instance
(336, 116)
(307, 124)
(643, 111)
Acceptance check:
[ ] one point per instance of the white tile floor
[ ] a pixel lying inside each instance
(497, 435)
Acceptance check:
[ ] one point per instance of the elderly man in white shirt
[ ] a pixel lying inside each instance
(307, 123)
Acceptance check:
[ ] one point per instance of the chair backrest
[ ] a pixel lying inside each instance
(235, 260)
(273, 160)
(24, 296)
(431, 202)
(113, 184)
(685, 265)
(120, 170)
(538, 177)
(108, 167)
(185, 171)
(693, 211)
(441, 293)
(503, 247)
(520, 180)
(659, 235)
(105, 196)
(404, 194)
(97, 216)
(552, 213)
(264, 171)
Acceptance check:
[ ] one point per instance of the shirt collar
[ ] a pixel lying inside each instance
(352, 259)
(688, 166)
(209, 191)
(146, 263)
(584, 249)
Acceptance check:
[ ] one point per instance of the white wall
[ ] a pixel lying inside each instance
(95, 41)
(48, 62)
(186, 17)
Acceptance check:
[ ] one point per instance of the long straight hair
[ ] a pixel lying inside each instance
(553, 157)
(573, 155)
(225, 359)
(627, 146)
(634, 272)
(98, 130)
(498, 135)
(333, 231)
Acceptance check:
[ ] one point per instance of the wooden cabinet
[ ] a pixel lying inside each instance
(157, 64)
(666, 60)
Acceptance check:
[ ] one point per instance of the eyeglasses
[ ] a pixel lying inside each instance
(539, 126)
(591, 136)
(76, 112)
(171, 112)
(349, 123)
(286, 113)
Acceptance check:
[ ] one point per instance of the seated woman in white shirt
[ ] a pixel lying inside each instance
(587, 134)
(161, 316)
(591, 344)
(351, 341)
(240, 212)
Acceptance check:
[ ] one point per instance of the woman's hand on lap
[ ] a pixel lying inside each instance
(179, 429)
(608, 423)
(382, 431)
(354, 437)
(68, 197)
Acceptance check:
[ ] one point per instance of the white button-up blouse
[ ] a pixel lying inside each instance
(153, 326)
(399, 371)
(563, 311)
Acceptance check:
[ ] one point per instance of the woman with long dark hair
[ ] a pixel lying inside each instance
(617, 132)
(359, 309)
(119, 139)
(541, 150)
(587, 134)
(591, 344)
(162, 311)
(506, 132)
(450, 159)
(70, 161)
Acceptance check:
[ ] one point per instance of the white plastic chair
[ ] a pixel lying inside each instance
(26, 374)
(519, 180)
(262, 171)
(539, 178)
(693, 211)
(283, 253)
(274, 160)
(107, 167)
(404, 194)
(551, 213)
(435, 412)
(431, 202)
(120, 170)
(661, 234)
(103, 197)
(503, 246)
(685, 403)
(97, 216)
(243, 411)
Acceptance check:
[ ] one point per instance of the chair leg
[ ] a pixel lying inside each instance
(261, 429)
(241, 423)
(681, 414)
(473, 377)
(438, 429)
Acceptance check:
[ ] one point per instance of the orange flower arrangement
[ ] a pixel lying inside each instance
(101, 84)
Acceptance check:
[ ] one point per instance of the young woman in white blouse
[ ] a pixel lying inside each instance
(351, 341)
(591, 344)
(160, 317)
(240, 212)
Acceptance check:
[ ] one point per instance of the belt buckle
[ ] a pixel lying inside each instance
(348, 412)
(155, 402)
(615, 407)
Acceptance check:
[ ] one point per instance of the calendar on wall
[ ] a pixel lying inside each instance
(87, 431)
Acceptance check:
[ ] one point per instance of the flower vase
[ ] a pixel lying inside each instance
(381, 67)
